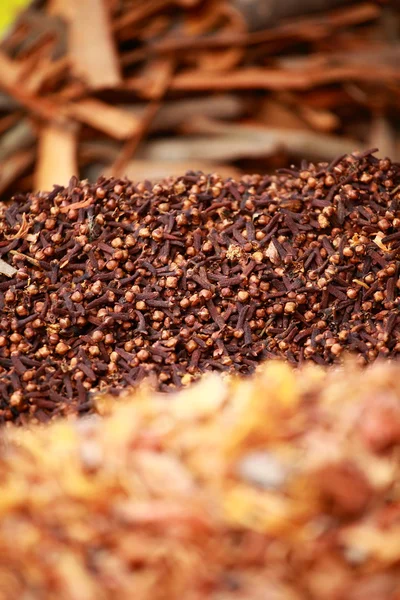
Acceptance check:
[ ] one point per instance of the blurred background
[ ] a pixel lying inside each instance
(153, 88)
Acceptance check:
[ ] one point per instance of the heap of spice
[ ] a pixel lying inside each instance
(117, 281)
(302, 501)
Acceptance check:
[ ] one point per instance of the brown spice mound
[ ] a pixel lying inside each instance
(302, 500)
(118, 280)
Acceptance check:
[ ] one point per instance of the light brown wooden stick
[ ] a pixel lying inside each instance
(92, 46)
(57, 160)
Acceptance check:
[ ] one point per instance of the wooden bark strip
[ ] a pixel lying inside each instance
(383, 135)
(164, 69)
(173, 114)
(221, 142)
(138, 13)
(92, 46)
(113, 121)
(47, 71)
(9, 82)
(268, 12)
(18, 137)
(13, 167)
(306, 28)
(57, 157)
(250, 78)
(61, 8)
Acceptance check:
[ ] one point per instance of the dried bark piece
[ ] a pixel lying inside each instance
(173, 114)
(90, 38)
(310, 28)
(266, 13)
(55, 166)
(61, 8)
(221, 16)
(35, 29)
(10, 70)
(279, 79)
(382, 134)
(320, 120)
(144, 10)
(226, 143)
(14, 166)
(365, 52)
(47, 73)
(278, 114)
(159, 83)
(18, 137)
(157, 77)
(10, 83)
(116, 122)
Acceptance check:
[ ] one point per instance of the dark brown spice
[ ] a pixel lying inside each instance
(171, 286)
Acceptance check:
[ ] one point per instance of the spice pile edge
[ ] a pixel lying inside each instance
(118, 281)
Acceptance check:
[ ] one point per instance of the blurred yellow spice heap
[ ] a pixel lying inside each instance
(281, 486)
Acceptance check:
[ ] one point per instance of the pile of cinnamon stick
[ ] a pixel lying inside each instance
(150, 89)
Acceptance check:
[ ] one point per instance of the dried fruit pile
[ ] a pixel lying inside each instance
(116, 281)
(302, 501)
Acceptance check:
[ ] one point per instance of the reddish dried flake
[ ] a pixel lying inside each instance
(380, 422)
(344, 488)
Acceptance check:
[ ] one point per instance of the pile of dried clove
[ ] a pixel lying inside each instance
(118, 281)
